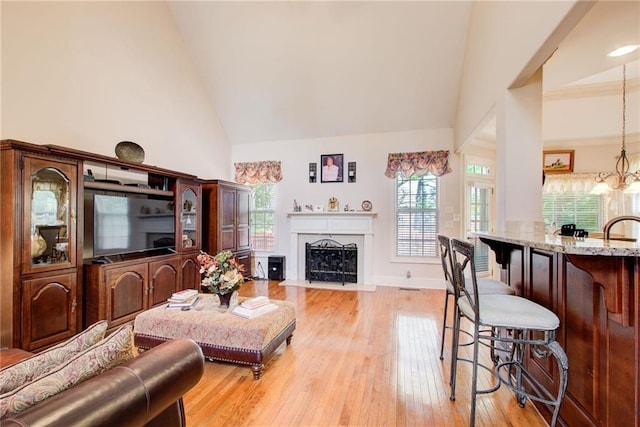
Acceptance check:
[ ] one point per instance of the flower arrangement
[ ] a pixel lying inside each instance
(222, 272)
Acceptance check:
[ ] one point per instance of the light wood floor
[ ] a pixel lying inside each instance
(356, 359)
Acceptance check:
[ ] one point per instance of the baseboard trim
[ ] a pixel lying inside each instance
(414, 282)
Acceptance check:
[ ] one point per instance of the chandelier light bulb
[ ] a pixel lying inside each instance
(600, 188)
(634, 188)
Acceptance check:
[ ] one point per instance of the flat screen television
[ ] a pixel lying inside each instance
(123, 225)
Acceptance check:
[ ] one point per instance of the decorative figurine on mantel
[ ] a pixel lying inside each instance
(346, 207)
(333, 204)
(296, 206)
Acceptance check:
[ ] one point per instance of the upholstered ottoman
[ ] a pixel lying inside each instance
(221, 335)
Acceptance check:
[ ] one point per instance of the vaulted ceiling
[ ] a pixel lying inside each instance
(280, 70)
(297, 70)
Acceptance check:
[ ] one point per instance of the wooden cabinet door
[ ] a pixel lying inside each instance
(163, 280)
(243, 203)
(49, 218)
(190, 277)
(49, 307)
(126, 293)
(188, 216)
(226, 219)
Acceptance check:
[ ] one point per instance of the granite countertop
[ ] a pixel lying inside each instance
(567, 245)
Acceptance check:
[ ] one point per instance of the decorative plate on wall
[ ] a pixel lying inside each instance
(129, 151)
(366, 205)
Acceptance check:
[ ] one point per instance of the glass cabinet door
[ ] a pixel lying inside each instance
(50, 215)
(189, 219)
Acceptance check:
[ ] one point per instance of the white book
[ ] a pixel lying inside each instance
(173, 300)
(184, 294)
(251, 313)
(255, 302)
(189, 304)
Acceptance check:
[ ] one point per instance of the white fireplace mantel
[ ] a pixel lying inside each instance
(358, 223)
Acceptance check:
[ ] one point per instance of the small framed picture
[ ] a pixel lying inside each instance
(331, 168)
(557, 161)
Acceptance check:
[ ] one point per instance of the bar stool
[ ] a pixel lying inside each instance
(485, 286)
(531, 326)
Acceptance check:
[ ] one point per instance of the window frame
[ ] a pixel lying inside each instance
(253, 223)
(415, 259)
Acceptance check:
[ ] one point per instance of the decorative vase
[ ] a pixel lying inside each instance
(38, 245)
(225, 299)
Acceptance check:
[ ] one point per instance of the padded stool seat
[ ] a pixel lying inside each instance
(493, 286)
(505, 311)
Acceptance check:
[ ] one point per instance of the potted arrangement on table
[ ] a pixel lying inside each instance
(223, 275)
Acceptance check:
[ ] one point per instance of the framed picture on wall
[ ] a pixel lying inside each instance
(557, 161)
(331, 168)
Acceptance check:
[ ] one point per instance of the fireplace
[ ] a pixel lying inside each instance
(329, 261)
(343, 227)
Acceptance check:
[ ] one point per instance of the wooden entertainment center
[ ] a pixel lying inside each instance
(54, 283)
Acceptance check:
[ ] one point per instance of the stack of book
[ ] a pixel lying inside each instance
(184, 300)
(254, 307)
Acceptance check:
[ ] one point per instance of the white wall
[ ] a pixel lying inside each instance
(370, 154)
(493, 61)
(591, 119)
(87, 75)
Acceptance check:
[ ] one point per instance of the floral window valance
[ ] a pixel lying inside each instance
(268, 171)
(419, 163)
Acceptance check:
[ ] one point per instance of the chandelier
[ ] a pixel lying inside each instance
(622, 174)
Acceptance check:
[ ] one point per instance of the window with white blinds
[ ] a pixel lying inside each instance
(582, 209)
(263, 213)
(479, 220)
(416, 215)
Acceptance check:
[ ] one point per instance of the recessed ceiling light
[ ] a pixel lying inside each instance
(624, 50)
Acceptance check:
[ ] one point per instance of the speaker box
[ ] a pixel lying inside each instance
(276, 267)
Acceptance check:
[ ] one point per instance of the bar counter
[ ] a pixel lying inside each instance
(568, 245)
(594, 288)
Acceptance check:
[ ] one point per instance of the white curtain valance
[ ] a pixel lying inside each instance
(569, 183)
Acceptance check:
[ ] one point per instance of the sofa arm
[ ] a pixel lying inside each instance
(132, 394)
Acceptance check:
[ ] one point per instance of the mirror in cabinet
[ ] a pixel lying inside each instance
(188, 220)
(50, 215)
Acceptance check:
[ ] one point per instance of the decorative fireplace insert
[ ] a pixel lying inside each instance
(329, 261)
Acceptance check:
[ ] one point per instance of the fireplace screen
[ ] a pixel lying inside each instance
(329, 261)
